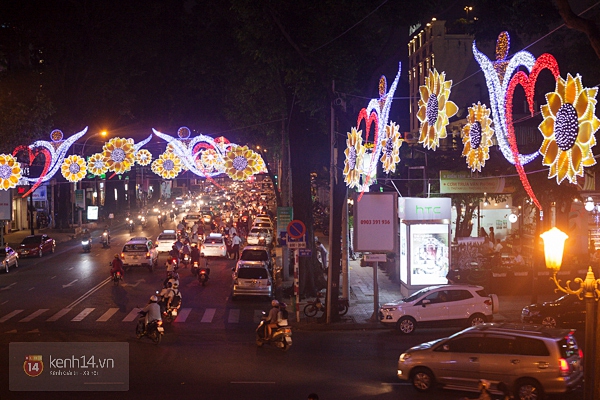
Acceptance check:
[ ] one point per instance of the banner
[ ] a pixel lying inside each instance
(463, 182)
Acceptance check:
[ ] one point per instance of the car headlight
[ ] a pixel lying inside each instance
(388, 309)
(404, 357)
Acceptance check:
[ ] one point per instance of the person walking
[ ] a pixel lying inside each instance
(236, 241)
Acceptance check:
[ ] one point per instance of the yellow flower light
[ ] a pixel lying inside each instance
(209, 158)
(168, 165)
(10, 172)
(97, 165)
(477, 136)
(119, 155)
(390, 145)
(354, 152)
(568, 127)
(74, 168)
(240, 163)
(143, 157)
(435, 109)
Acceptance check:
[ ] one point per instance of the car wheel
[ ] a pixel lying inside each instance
(422, 380)
(477, 319)
(549, 322)
(528, 389)
(406, 325)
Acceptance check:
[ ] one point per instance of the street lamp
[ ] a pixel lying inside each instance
(554, 242)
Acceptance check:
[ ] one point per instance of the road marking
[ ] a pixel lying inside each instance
(10, 315)
(12, 331)
(136, 283)
(208, 316)
(106, 316)
(83, 314)
(58, 315)
(35, 314)
(30, 289)
(89, 292)
(251, 383)
(133, 314)
(9, 286)
(70, 268)
(53, 277)
(183, 314)
(70, 283)
(4, 302)
(234, 316)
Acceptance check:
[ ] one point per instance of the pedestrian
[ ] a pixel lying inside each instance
(482, 232)
(492, 235)
(236, 241)
(322, 252)
(484, 391)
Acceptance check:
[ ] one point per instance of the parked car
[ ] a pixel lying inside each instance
(165, 240)
(139, 251)
(256, 233)
(531, 360)
(257, 253)
(450, 305)
(566, 311)
(214, 246)
(251, 278)
(36, 246)
(9, 257)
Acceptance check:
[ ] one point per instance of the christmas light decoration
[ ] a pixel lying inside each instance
(74, 168)
(96, 164)
(240, 163)
(10, 172)
(435, 109)
(390, 145)
(168, 165)
(143, 157)
(354, 158)
(477, 136)
(119, 155)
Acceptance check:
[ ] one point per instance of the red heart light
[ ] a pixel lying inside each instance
(32, 154)
(370, 120)
(545, 61)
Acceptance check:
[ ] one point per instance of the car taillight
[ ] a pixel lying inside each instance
(148, 255)
(123, 255)
(222, 247)
(564, 367)
(202, 271)
(488, 302)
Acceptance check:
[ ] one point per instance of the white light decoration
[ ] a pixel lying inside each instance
(513, 218)
(589, 204)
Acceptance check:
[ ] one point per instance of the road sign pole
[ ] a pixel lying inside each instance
(297, 282)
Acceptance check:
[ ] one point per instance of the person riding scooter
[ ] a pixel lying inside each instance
(117, 266)
(271, 321)
(152, 311)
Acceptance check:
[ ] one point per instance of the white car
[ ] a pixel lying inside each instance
(454, 305)
(164, 241)
(258, 220)
(139, 251)
(256, 233)
(214, 246)
(191, 218)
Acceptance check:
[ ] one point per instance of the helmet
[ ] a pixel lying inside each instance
(175, 285)
(282, 305)
(117, 255)
(153, 298)
(274, 303)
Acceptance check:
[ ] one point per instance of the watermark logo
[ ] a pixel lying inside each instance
(33, 365)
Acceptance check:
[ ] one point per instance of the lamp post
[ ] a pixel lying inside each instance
(589, 289)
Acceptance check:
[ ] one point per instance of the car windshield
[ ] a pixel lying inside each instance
(213, 240)
(32, 239)
(254, 255)
(167, 237)
(135, 247)
(253, 273)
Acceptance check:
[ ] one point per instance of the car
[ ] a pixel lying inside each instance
(36, 246)
(214, 246)
(531, 360)
(9, 257)
(567, 311)
(165, 240)
(257, 253)
(256, 233)
(258, 220)
(190, 218)
(251, 278)
(139, 251)
(267, 225)
(450, 305)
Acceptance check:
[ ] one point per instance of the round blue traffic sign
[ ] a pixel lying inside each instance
(296, 229)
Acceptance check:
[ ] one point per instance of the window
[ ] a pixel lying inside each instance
(499, 345)
(440, 296)
(465, 344)
(458, 295)
(531, 347)
(253, 273)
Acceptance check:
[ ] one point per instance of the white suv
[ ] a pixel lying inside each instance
(453, 305)
(139, 251)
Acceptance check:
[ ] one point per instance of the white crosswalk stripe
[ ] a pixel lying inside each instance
(132, 316)
(106, 316)
(208, 316)
(83, 314)
(234, 316)
(183, 314)
(10, 315)
(33, 315)
(58, 315)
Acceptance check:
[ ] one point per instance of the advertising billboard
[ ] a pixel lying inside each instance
(430, 256)
(376, 222)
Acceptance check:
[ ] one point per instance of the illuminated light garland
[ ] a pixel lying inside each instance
(435, 109)
(96, 164)
(545, 61)
(477, 136)
(569, 128)
(74, 168)
(119, 155)
(10, 172)
(143, 157)
(391, 148)
(354, 158)
(240, 163)
(168, 165)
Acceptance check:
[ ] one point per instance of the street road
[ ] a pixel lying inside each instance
(208, 352)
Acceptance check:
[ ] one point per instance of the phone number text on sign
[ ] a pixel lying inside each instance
(375, 222)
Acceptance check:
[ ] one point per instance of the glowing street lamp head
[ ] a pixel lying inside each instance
(589, 204)
(554, 245)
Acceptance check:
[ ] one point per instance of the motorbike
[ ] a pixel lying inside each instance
(105, 240)
(281, 336)
(154, 331)
(86, 244)
(130, 224)
(171, 313)
(185, 259)
(313, 307)
(142, 221)
(195, 268)
(203, 274)
(117, 278)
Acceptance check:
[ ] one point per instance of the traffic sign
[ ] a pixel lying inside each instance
(296, 245)
(305, 252)
(296, 229)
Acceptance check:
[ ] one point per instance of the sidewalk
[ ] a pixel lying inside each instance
(362, 308)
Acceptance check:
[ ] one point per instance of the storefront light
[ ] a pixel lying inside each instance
(589, 204)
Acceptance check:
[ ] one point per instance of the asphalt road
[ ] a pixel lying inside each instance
(208, 353)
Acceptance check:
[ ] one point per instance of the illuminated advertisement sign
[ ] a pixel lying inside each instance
(429, 254)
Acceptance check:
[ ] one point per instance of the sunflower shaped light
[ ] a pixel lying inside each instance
(74, 168)
(240, 162)
(10, 172)
(435, 109)
(477, 136)
(355, 151)
(97, 165)
(119, 155)
(143, 157)
(390, 145)
(568, 127)
(208, 159)
(168, 165)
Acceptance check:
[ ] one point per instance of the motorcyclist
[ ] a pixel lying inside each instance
(282, 319)
(86, 234)
(117, 266)
(271, 321)
(107, 231)
(185, 249)
(152, 311)
(163, 294)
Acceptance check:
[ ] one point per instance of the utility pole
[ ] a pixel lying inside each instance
(332, 167)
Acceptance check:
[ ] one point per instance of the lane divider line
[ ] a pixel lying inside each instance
(89, 292)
